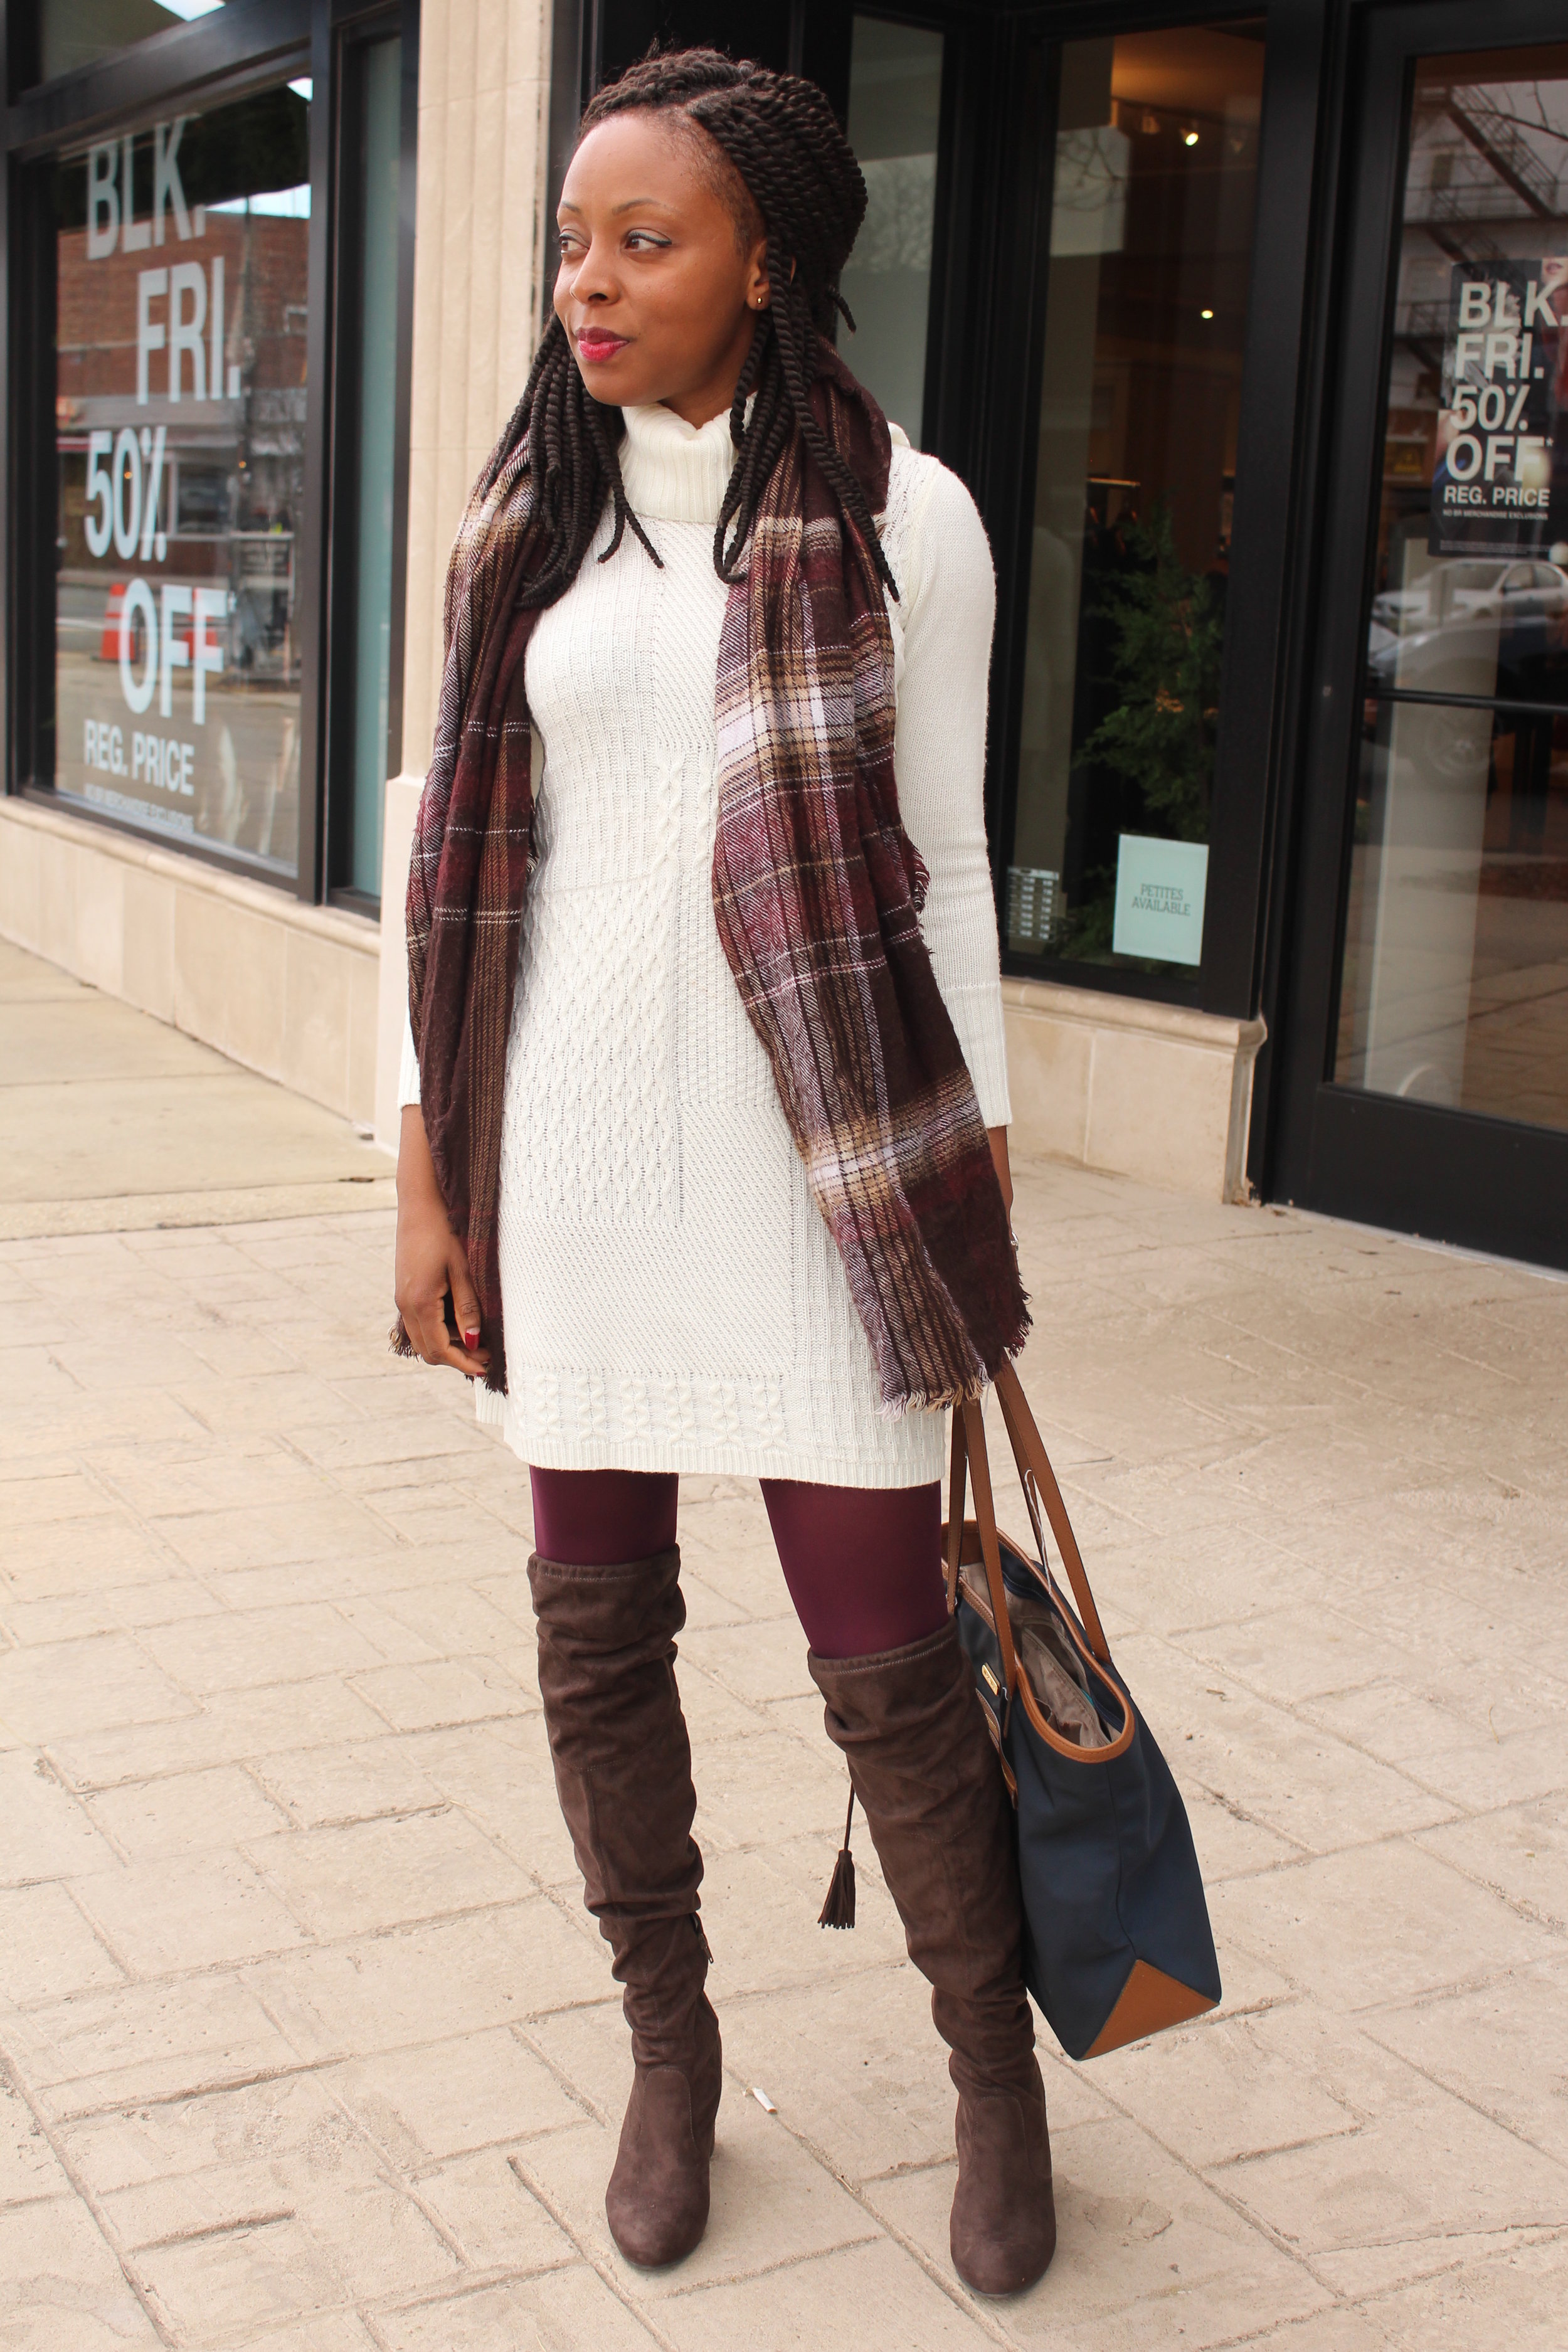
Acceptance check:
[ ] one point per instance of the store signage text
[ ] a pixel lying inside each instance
(1493, 478)
(161, 761)
(1160, 886)
(157, 629)
(179, 305)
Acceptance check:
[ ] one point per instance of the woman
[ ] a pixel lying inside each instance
(695, 1139)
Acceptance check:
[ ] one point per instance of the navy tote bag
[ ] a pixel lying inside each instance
(1117, 1938)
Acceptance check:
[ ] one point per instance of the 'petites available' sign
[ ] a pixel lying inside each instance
(1160, 889)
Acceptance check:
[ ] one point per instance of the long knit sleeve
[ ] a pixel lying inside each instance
(408, 1074)
(948, 600)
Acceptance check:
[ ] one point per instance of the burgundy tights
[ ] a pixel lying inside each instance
(863, 1564)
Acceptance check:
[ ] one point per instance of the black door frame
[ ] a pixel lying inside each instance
(1454, 1176)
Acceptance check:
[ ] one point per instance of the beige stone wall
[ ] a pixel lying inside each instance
(1134, 1088)
(484, 111)
(288, 990)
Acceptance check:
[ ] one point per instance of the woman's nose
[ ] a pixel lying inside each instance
(595, 279)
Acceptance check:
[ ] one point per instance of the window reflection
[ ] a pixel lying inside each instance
(181, 310)
(73, 33)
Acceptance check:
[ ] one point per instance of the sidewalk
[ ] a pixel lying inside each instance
(305, 2043)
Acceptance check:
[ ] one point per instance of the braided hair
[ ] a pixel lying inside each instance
(779, 137)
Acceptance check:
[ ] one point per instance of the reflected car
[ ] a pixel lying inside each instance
(1509, 591)
(1514, 650)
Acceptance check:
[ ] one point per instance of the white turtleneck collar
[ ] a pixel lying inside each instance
(676, 472)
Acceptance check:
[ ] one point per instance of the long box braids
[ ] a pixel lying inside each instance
(779, 137)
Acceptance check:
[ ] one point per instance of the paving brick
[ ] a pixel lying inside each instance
(65, 2290)
(184, 1812)
(46, 1948)
(61, 1687)
(164, 1916)
(562, 2309)
(874, 2289)
(371, 1875)
(360, 1781)
(45, 1831)
(447, 2098)
(1378, 1924)
(1489, 2046)
(384, 1990)
(496, 2222)
(29, 2168)
(1419, 2188)
(161, 2040)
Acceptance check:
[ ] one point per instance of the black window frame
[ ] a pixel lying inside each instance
(351, 35)
(217, 58)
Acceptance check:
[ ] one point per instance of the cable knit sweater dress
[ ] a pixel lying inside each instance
(672, 1297)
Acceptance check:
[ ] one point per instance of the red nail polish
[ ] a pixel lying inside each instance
(471, 1339)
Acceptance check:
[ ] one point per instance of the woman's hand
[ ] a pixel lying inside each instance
(431, 1261)
(996, 1136)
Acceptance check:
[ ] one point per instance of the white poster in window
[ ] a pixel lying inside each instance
(1159, 888)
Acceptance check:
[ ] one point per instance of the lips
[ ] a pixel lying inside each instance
(594, 346)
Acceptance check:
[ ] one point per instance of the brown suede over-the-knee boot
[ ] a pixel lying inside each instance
(623, 1771)
(926, 1774)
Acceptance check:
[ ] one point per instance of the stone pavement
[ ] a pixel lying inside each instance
(305, 2045)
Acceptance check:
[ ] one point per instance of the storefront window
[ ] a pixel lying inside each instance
(1151, 258)
(183, 294)
(895, 112)
(1454, 982)
(74, 33)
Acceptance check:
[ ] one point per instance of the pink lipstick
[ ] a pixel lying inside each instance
(594, 346)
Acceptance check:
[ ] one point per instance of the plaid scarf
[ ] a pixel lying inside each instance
(816, 893)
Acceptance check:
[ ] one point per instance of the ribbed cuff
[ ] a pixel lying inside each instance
(978, 1018)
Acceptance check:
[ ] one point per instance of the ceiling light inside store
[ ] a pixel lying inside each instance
(1189, 137)
(305, 88)
(1150, 124)
(1206, 314)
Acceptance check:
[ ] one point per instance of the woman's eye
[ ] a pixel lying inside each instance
(643, 240)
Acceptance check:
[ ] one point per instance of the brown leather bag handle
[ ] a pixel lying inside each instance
(969, 1444)
(1038, 1478)
(955, 1511)
(1039, 1484)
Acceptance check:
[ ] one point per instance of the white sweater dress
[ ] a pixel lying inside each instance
(672, 1297)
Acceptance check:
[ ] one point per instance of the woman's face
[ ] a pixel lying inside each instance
(659, 287)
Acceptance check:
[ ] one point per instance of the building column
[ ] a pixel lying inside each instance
(479, 242)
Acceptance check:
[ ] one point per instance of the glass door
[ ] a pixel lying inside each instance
(1443, 1102)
